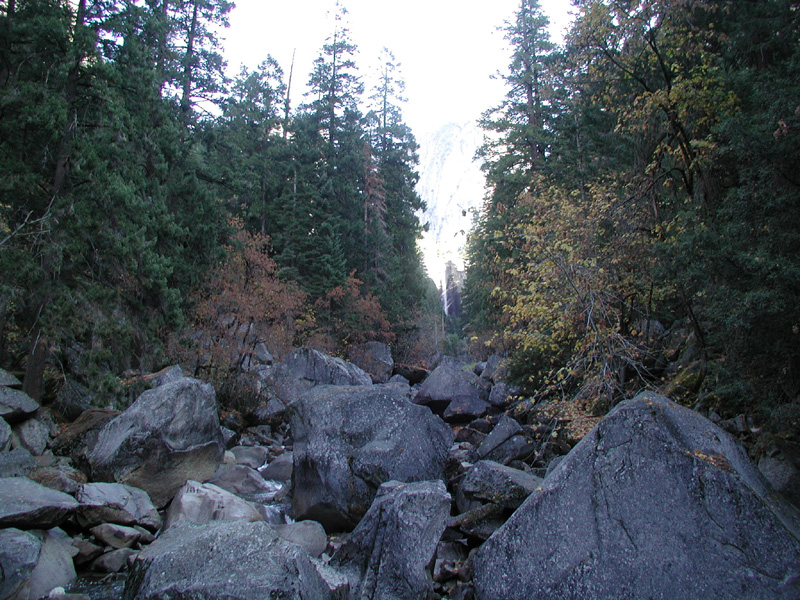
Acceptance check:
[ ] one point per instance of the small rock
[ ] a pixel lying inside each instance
(251, 456)
(199, 503)
(116, 503)
(9, 380)
(245, 482)
(114, 561)
(116, 536)
(87, 551)
(308, 534)
(279, 469)
(465, 408)
(16, 406)
(489, 481)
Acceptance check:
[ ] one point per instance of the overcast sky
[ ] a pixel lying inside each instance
(448, 51)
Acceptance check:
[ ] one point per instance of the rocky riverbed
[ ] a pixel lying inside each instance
(343, 482)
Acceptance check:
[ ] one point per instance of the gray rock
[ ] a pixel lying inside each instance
(114, 561)
(499, 395)
(59, 477)
(116, 536)
(350, 440)
(447, 382)
(308, 534)
(5, 435)
(399, 379)
(200, 503)
(655, 502)
(34, 434)
(489, 481)
(236, 560)
(465, 408)
(375, 358)
(782, 470)
(250, 456)
(116, 503)
(9, 380)
(19, 553)
(169, 435)
(16, 463)
(279, 469)
(27, 504)
(388, 554)
(16, 406)
(322, 369)
(245, 482)
(167, 375)
(505, 442)
(492, 366)
(33, 563)
(502, 432)
(87, 551)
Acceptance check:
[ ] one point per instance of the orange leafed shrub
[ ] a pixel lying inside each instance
(346, 316)
(241, 304)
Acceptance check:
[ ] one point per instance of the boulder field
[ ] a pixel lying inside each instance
(333, 487)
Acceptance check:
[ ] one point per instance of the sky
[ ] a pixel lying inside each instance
(448, 49)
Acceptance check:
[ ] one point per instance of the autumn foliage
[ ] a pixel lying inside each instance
(347, 315)
(241, 304)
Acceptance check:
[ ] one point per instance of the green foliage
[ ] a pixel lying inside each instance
(123, 157)
(664, 188)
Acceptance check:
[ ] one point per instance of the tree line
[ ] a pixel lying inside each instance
(645, 173)
(146, 200)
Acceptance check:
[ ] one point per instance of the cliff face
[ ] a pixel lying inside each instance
(452, 185)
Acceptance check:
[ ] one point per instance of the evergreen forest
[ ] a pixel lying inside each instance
(153, 210)
(643, 183)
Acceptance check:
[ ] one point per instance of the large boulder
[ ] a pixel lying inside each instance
(655, 502)
(375, 358)
(319, 368)
(27, 504)
(388, 554)
(448, 382)
(169, 435)
(350, 440)
(224, 560)
(32, 563)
